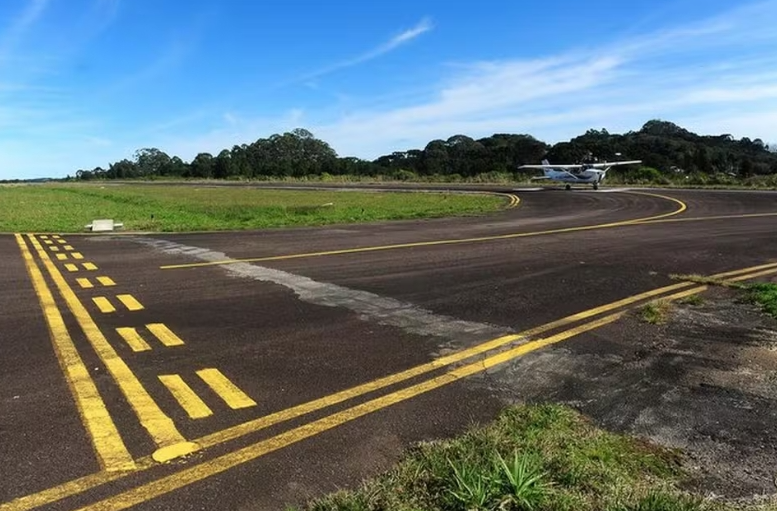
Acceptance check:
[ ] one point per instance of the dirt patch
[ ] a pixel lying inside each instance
(704, 381)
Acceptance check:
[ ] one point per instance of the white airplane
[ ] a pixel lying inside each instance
(581, 173)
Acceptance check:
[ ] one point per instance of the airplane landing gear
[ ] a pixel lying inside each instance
(596, 186)
(568, 187)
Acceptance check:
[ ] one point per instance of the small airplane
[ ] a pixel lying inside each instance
(582, 173)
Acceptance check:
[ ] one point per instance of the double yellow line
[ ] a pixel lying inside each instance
(503, 350)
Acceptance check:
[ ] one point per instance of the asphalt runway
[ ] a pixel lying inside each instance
(258, 369)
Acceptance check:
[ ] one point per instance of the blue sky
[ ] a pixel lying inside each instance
(87, 82)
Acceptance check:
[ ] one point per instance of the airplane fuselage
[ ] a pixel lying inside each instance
(583, 176)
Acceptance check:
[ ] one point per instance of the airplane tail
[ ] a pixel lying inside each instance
(546, 171)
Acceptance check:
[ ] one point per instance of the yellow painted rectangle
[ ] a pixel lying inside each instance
(164, 334)
(67, 247)
(189, 401)
(77, 255)
(106, 281)
(130, 302)
(71, 267)
(85, 283)
(57, 237)
(54, 249)
(228, 391)
(61, 241)
(44, 237)
(89, 266)
(48, 242)
(103, 304)
(61, 257)
(133, 339)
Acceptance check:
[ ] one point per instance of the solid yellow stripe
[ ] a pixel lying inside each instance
(133, 339)
(228, 391)
(85, 283)
(130, 302)
(84, 484)
(71, 267)
(159, 426)
(681, 207)
(77, 255)
(89, 266)
(111, 452)
(106, 281)
(61, 257)
(103, 304)
(225, 462)
(164, 334)
(189, 401)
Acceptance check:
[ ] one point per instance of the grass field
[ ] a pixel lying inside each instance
(68, 208)
(533, 457)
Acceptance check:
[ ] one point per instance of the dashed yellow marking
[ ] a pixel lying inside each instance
(57, 237)
(164, 334)
(106, 281)
(44, 237)
(133, 339)
(105, 306)
(85, 283)
(61, 242)
(111, 452)
(130, 302)
(54, 249)
(89, 266)
(71, 267)
(228, 391)
(189, 401)
(48, 242)
(159, 426)
(68, 247)
(77, 255)
(61, 257)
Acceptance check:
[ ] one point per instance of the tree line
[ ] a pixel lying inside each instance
(664, 148)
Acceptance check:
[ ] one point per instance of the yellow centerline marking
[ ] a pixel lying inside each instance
(102, 303)
(130, 302)
(681, 207)
(164, 334)
(228, 391)
(89, 266)
(133, 339)
(87, 482)
(85, 283)
(159, 426)
(77, 255)
(186, 397)
(111, 452)
(71, 267)
(61, 257)
(106, 281)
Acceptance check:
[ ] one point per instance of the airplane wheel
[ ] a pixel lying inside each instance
(568, 187)
(596, 186)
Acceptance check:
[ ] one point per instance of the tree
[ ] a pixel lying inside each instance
(202, 166)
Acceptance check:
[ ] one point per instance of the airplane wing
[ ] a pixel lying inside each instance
(550, 167)
(539, 178)
(613, 164)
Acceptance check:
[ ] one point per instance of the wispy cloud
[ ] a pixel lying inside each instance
(12, 34)
(423, 26)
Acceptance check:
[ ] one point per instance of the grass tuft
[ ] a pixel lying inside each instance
(656, 312)
(694, 300)
(765, 295)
